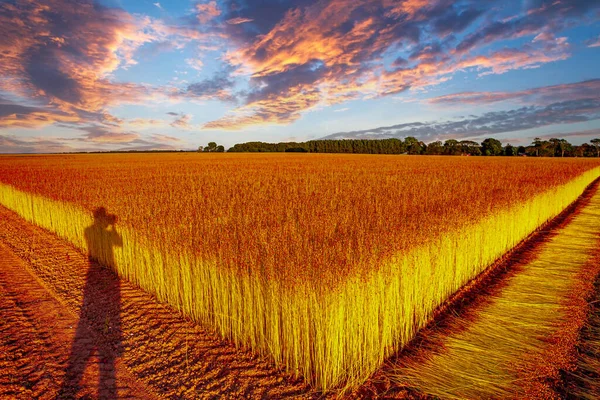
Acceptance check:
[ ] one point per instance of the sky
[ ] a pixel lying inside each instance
(140, 74)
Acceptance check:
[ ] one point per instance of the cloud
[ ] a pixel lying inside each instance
(195, 63)
(144, 122)
(238, 20)
(181, 121)
(97, 134)
(272, 109)
(456, 22)
(335, 50)
(61, 55)
(218, 87)
(280, 58)
(540, 95)
(164, 138)
(594, 42)
(589, 134)
(490, 123)
(10, 144)
(64, 51)
(538, 16)
(16, 115)
(207, 11)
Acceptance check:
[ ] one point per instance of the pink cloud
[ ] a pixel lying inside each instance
(238, 20)
(207, 11)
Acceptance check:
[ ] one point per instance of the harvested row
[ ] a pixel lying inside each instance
(327, 264)
(584, 382)
(521, 332)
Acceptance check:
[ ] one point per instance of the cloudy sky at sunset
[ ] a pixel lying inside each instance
(136, 74)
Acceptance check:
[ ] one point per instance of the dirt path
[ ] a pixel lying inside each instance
(515, 340)
(138, 348)
(39, 345)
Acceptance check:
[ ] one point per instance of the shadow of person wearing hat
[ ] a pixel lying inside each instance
(98, 335)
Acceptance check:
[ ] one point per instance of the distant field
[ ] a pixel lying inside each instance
(326, 263)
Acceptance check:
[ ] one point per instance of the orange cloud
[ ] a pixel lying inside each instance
(65, 54)
(62, 54)
(15, 115)
(340, 50)
(207, 11)
(271, 110)
(334, 49)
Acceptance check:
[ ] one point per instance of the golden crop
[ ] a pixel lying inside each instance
(326, 263)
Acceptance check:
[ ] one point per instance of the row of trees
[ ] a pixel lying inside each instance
(489, 147)
(383, 146)
(212, 147)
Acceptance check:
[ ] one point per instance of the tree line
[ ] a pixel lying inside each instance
(554, 147)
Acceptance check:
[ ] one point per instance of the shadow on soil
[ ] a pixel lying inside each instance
(101, 307)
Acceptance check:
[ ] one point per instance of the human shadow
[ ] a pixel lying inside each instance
(98, 337)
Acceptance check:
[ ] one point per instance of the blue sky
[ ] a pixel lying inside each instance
(83, 75)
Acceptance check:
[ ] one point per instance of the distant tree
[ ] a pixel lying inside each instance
(413, 146)
(537, 144)
(579, 151)
(220, 149)
(559, 146)
(510, 150)
(200, 148)
(435, 148)
(596, 143)
(539, 147)
(491, 147)
(565, 147)
(212, 146)
(452, 147)
(470, 147)
(543, 148)
(554, 144)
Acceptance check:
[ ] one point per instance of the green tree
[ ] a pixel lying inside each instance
(470, 147)
(491, 147)
(560, 146)
(413, 146)
(596, 143)
(510, 150)
(435, 148)
(452, 147)
(220, 149)
(212, 146)
(537, 144)
(200, 148)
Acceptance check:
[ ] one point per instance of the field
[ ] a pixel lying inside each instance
(326, 264)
